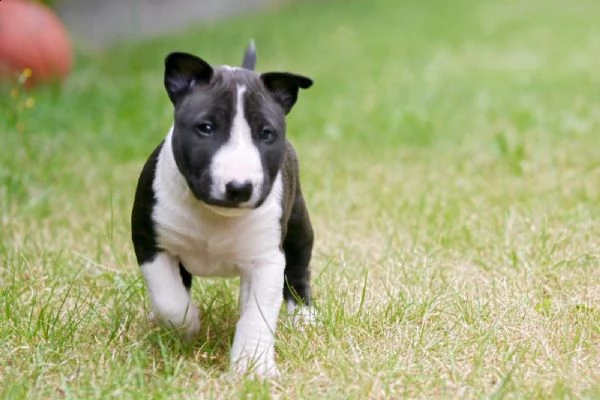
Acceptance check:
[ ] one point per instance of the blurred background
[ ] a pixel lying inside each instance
(100, 23)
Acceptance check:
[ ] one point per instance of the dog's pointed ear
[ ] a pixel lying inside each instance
(182, 72)
(284, 87)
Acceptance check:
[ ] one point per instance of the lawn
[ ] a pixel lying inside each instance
(450, 158)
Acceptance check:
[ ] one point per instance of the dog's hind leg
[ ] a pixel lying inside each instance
(186, 277)
(168, 286)
(297, 246)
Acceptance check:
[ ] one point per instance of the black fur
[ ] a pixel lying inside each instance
(143, 233)
(297, 234)
(186, 277)
(284, 87)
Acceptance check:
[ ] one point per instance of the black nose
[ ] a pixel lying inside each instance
(238, 191)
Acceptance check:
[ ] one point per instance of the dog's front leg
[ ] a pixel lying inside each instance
(261, 296)
(171, 300)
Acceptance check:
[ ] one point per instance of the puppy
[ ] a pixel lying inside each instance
(220, 196)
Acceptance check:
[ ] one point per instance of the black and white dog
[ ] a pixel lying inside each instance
(220, 196)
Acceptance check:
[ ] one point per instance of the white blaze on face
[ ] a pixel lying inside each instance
(238, 160)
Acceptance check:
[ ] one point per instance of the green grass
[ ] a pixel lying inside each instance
(450, 160)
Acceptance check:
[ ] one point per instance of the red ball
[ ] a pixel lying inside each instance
(32, 37)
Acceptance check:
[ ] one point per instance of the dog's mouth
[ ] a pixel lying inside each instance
(228, 211)
(228, 208)
(227, 204)
(225, 207)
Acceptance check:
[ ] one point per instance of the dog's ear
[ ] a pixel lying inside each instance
(284, 87)
(182, 72)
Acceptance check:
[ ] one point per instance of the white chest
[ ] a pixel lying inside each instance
(217, 246)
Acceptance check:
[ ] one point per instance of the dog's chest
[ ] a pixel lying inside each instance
(211, 245)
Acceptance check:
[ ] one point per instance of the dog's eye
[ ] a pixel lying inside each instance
(205, 129)
(267, 135)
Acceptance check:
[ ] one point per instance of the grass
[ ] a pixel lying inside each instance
(450, 161)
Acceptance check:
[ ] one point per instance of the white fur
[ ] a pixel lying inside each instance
(238, 160)
(261, 296)
(301, 315)
(229, 68)
(170, 300)
(211, 244)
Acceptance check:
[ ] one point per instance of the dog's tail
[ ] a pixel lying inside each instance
(249, 61)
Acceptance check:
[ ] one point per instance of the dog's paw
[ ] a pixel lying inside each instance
(262, 368)
(191, 326)
(302, 315)
(306, 316)
(152, 317)
(257, 362)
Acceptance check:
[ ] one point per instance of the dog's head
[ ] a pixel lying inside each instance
(229, 130)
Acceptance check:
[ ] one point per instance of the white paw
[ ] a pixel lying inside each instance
(152, 317)
(258, 367)
(188, 325)
(301, 315)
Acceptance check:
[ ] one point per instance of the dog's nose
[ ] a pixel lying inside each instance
(238, 191)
